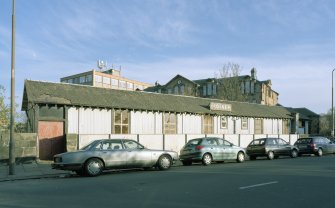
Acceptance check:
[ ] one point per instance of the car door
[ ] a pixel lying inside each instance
(271, 145)
(137, 155)
(228, 150)
(113, 154)
(214, 148)
(283, 147)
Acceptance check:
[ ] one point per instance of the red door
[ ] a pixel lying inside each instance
(51, 139)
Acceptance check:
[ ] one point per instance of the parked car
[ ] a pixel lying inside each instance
(271, 148)
(209, 149)
(315, 145)
(99, 155)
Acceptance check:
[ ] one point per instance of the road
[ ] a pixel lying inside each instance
(300, 182)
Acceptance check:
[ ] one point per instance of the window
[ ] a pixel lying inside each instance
(207, 124)
(98, 78)
(224, 142)
(115, 82)
(121, 122)
(110, 145)
(169, 91)
(176, 90)
(70, 80)
(182, 90)
(82, 79)
(247, 87)
(286, 127)
(107, 80)
(170, 123)
(130, 85)
(211, 141)
(204, 90)
(129, 144)
(88, 78)
(159, 90)
(252, 88)
(123, 84)
(209, 88)
(214, 89)
(258, 126)
(244, 123)
(224, 122)
(242, 87)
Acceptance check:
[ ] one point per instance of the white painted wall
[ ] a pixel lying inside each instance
(95, 121)
(191, 124)
(142, 122)
(73, 121)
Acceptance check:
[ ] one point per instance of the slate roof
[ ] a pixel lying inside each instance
(37, 92)
(304, 113)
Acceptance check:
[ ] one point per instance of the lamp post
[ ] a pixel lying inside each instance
(332, 132)
(11, 165)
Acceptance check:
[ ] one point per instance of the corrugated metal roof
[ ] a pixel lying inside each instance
(80, 95)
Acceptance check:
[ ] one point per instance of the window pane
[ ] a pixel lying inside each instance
(117, 119)
(117, 129)
(124, 117)
(124, 129)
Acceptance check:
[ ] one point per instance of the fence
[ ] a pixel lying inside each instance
(176, 141)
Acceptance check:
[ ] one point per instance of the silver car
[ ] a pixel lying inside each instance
(99, 155)
(209, 149)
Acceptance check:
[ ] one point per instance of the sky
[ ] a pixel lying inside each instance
(290, 42)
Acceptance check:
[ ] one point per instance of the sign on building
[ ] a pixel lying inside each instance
(220, 106)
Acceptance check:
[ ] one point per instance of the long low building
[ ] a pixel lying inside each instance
(58, 112)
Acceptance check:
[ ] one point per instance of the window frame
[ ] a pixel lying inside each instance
(170, 123)
(244, 123)
(121, 124)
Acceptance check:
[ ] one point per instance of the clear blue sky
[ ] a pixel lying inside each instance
(291, 42)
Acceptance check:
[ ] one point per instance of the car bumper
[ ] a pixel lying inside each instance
(192, 157)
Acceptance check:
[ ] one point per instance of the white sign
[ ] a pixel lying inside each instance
(220, 106)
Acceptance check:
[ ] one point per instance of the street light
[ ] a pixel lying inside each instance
(333, 103)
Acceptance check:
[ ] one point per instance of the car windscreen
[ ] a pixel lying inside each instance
(193, 142)
(89, 146)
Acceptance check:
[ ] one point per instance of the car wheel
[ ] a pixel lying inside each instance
(94, 167)
(206, 159)
(252, 157)
(320, 152)
(294, 153)
(186, 162)
(240, 157)
(164, 162)
(271, 155)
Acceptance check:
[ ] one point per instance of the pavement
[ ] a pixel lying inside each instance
(33, 169)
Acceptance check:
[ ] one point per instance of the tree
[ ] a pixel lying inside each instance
(21, 119)
(230, 83)
(4, 110)
(326, 123)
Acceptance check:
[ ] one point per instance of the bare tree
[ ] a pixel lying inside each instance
(229, 81)
(326, 123)
(4, 110)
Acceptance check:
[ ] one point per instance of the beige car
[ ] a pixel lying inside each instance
(105, 154)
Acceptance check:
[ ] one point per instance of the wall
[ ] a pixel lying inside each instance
(25, 145)
(99, 121)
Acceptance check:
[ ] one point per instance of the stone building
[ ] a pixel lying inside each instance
(247, 88)
(107, 79)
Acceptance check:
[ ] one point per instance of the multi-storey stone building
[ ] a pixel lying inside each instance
(247, 88)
